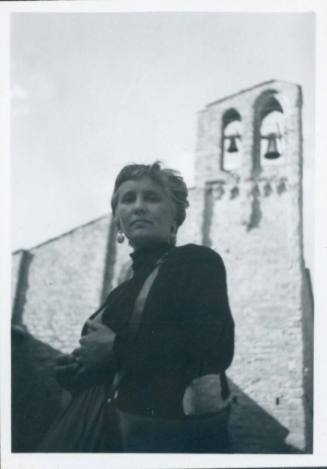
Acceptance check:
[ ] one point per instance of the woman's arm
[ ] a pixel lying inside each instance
(210, 325)
(210, 335)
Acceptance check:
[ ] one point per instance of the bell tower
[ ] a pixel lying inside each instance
(247, 205)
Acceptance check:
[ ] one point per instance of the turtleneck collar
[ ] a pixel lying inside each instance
(145, 257)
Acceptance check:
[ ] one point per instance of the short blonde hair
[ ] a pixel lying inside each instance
(170, 180)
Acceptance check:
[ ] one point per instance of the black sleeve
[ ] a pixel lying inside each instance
(210, 323)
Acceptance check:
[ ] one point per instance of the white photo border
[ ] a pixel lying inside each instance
(80, 461)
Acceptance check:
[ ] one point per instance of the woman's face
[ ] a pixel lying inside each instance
(144, 212)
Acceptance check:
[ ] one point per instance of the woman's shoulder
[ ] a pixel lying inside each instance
(197, 265)
(194, 253)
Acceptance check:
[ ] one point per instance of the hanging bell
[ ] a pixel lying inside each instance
(272, 151)
(232, 144)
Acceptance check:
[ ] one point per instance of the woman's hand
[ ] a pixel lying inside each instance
(96, 348)
(66, 363)
(66, 370)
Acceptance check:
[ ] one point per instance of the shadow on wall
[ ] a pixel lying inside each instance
(36, 397)
(253, 430)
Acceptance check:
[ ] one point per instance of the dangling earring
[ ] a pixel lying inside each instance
(120, 237)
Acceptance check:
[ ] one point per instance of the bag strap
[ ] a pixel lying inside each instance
(140, 301)
(104, 304)
(136, 315)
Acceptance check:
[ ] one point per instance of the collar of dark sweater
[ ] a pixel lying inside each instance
(145, 258)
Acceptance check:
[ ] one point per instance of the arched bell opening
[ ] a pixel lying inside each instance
(231, 140)
(272, 132)
(269, 133)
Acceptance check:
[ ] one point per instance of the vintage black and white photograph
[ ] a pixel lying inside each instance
(162, 232)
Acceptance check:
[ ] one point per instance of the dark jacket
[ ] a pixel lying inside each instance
(186, 330)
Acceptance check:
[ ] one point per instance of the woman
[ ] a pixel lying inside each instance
(183, 338)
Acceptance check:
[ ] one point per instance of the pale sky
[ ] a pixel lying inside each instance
(93, 91)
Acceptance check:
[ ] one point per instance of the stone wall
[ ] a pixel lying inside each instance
(64, 284)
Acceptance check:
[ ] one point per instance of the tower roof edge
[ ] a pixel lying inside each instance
(246, 90)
